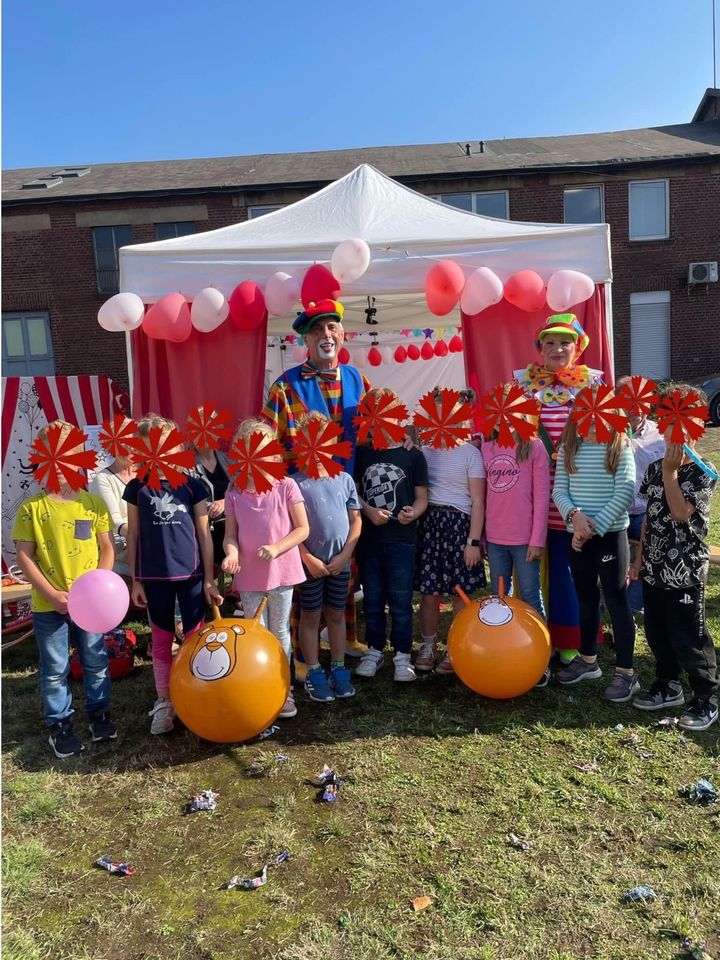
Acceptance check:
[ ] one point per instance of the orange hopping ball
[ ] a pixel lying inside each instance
(230, 680)
(499, 646)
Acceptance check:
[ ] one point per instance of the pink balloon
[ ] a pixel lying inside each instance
(443, 286)
(247, 306)
(98, 601)
(350, 260)
(566, 288)
(482, 289)
(281, 292)
(169, 319)
(209, 309)
(124, 311)
(525, 290)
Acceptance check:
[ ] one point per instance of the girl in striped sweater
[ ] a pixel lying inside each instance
(594, 486)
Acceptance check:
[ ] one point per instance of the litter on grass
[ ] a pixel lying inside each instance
(282, 758)
(421, 903)
(640, 895)
(114, 866)
(667, 722)
(268, 732)
(329, 783)
(518, 842)
(237, 882)
(702, 793)
(695, 949)
(205, 800)
(590, 767)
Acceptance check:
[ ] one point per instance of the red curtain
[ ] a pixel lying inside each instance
(502, 339)
(225, 367)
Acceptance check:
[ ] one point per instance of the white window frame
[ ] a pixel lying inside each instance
(653, 296)
(474, 194)
(265, 207)
(587, 186)
(661, 236)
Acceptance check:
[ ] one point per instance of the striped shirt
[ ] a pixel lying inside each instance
(603, 497)
(553, 418)
(449, 473)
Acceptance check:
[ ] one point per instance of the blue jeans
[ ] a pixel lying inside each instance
(387, 572)
(52, 633)
(634, 591)
(502, 561)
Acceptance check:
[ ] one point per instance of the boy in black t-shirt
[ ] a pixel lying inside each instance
(392, 485)
(673, 566)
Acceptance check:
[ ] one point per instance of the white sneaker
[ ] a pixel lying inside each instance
(370, 663)
(163, 716)
(404, 670)
(289, 709)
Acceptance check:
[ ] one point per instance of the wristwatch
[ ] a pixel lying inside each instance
(472, 543)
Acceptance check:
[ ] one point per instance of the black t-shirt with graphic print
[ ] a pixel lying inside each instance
(387, 479)
(675, 555)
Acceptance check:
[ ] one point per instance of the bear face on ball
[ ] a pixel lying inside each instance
(215, 652)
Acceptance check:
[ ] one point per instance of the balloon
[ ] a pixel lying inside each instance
(98, 601)
(318, 284)
(568, 287)
(387, 354)
(343, 355)
(247, 306)
(360, 358)
(350, 260)
(482, 289)
(374, 357)
(427, 352)
(443, 286)
(441, 349)
(124, 311)
(525, 290)
(209, 309)
(169, 319)
(498, 646)
(230, 680)
(400, 355)
(456, 344)
(281, 292)
(413, 351)
(299, 353)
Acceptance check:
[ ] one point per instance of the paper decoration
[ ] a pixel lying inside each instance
(208, 427)
(599, 407)
(506, 409)
(316, 444)
(117, 436)
(380, 417)
(157, 458)
(258, 459)
(684, 415)
(58, 461)
(445, 424)
(638, 397)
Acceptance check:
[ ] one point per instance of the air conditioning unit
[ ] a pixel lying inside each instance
(706, 272)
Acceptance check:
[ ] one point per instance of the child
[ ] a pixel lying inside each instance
(333, 511)
(450, 533)
(262, 534)
(170, 557)
(60, 536)
(594, 486)
(392, 485)
(673, 564)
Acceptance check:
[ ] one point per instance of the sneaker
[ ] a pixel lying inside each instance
(445, 667)
(63, 740)
(340, 682)
(544, 679)
(101, 728)
(370, 663)
(701, 713)
(426, 655)
(163, 716)
(623, 687)
(662, 694)
(404, 671)
(289, 709)
(317, 686)
(577, 670)
(356, 649)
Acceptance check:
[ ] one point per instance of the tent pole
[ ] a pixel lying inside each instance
(130, 371)
(609, 325)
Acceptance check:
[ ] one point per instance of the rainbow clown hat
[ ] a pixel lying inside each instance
(563, 323)
(322, 310)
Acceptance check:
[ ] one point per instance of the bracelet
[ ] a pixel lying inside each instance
(472, 543)
(571, 514)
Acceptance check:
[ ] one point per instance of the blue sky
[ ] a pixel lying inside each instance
(91, 82)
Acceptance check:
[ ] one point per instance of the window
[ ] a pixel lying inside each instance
(583, 204)
(650, 334)
(27, 345)
(254, 212)
(167, 231)
(106, 243)
(488, 203)
(649, 212)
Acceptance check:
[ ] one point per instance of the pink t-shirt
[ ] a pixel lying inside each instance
(517, 495)
(265, 518)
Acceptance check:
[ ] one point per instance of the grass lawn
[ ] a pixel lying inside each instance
(436, 778)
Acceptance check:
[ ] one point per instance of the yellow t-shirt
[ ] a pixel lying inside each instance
(65, 536)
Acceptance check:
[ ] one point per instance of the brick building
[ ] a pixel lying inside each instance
(658, 188)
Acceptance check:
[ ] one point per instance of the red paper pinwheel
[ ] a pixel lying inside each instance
(600, 408)
(60, 460)
(505, 410)
(638, 397)
(159, 458)
(316, 444)
(258, 459)
(444, 424)
(208, 427)
(118, 435)
(686, 415)
(380, 417)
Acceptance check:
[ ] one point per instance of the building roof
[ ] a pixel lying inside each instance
(688, 141)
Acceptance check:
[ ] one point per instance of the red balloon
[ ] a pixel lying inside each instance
(247, 305)
(169, 319)
(443, 286)
(413, 352)
(526, 290)
(374, 357)
(400, 355)
(318, 284)
(343, 355)
(427, 352)
(456, 344)
(441, 349)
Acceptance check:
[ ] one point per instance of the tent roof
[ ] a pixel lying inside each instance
(404, 229)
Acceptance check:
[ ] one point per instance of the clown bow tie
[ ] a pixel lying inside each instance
(540, 377)
(308, 370)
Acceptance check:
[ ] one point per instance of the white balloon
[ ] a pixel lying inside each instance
(387, 354)
(299, 353)
(482, 289)
(281, 292)
(358, 357)
(566, 288)
(209, 309)
(124, 311)
(350, 260)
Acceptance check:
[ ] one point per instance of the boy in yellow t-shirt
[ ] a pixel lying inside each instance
(58, 537)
